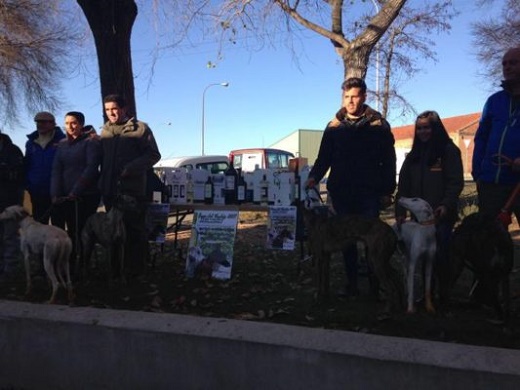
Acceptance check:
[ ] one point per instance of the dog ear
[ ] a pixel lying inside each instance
(21, 212)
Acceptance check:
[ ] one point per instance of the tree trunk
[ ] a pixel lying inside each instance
(111, 24)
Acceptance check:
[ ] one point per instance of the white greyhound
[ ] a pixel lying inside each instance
(421, 245)
(48, 241)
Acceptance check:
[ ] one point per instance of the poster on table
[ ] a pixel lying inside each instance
(211, 244)
(157, 221)
(281, 227)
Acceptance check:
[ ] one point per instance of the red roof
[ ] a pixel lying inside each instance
(462, 124)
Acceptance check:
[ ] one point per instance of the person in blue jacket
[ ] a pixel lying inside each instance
(496, 156)
(40, 149)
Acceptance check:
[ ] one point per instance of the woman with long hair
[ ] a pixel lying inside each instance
(433, 171)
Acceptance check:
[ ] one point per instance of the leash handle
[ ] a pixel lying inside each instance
(511, 199)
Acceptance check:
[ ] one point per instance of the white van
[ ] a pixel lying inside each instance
(213, 164)
(264, 158)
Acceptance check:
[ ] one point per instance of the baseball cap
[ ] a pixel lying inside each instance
(44, 116)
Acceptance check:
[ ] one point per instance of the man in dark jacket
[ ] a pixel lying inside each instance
(129, 150)
(40, 149)
(11, 193)
(358, 147)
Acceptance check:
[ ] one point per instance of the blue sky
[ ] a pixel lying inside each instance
(269, 95)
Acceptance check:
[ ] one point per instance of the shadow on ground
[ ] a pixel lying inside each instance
(275, 286)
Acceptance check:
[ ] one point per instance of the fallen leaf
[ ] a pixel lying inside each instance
(156, 301)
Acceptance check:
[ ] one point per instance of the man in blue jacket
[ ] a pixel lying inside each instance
(496, 157)
(358, 147)
(40, 149)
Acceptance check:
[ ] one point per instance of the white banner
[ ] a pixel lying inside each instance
(281, 227)
(211, 243)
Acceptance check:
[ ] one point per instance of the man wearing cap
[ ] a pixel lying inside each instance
(40, 149)
(11, 193)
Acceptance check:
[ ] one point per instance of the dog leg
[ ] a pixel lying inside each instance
(410, 276)
(49, 269)
(27, 265)
(428, 275)
(122, 263)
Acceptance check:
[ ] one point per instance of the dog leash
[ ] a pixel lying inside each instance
(505, 213)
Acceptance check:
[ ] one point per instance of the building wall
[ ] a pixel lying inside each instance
(303, 143)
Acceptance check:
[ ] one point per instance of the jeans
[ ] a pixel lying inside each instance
(65, 213)
(43, 210)
(442, 267)
(367, 206)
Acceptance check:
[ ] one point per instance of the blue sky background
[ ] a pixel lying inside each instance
(269, 95)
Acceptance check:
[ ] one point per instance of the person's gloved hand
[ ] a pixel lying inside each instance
(515, 165)
(310, 183)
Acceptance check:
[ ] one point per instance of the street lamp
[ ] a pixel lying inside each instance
(203, 118)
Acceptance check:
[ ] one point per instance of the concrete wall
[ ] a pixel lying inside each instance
(57, 347)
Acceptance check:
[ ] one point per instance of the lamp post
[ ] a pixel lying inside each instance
(203, 118)
(376, 6)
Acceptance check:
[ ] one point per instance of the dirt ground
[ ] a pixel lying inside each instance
(276, 286)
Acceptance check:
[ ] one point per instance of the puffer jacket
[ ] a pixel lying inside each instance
(360, 155)
(129, 150)
(75, 170)
(11, 173)
(497, 137)
(38, 163)
(438, 184)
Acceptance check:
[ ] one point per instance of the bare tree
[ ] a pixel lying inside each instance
(401, 34)
(111, 22)
(494, 36)
(34, 44)
(410, 33)
(325, 18)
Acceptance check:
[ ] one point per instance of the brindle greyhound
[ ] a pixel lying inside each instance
(329, 234)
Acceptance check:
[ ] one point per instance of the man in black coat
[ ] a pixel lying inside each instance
(129, 151)
(358, 147)
(11, 193)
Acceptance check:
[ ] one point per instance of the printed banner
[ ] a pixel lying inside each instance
(281, 227)
(211, 243)
(157, 221)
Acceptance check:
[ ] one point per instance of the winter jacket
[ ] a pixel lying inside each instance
(11, 173)
(38, 163)
(129, 150)
(498, 135)
(75, 170)
(438, 184)
(360, 155)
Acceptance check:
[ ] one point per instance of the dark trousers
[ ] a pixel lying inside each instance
(43, 210)
(9, 246)
(136, 244)
(442, 266)
(493, 197)
(72, 216)
(367, 206)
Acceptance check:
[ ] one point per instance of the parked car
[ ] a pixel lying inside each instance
(213, 163)
(264, 158)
